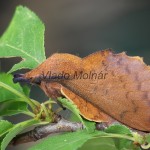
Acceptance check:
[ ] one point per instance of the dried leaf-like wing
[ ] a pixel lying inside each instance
(124, 93)
(87, 110)
(112, 84)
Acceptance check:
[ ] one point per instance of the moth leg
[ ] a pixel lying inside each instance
(52, 90)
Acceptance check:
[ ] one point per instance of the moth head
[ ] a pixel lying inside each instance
(50, 69)
(26, 79)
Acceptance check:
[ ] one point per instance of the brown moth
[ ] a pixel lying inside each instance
(104, 86)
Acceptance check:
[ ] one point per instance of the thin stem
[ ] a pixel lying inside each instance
(58, 110)
(145, 146)
(26, 99)
(118, 136)
(38, 116)
(20, 127)
(46, 111)
(29, 113)
(49, 102)
(35, 102)
(42, 131)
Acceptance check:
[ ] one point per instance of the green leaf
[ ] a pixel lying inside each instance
(71, 106)
(99, 144)
(147, 140)
(90, 125)
(9, 108)
(125, 144)
(5, 126)
(26, 90)
(11, 91)
(5, 94)
(67, 141)
(24, 38)
(118, 128)
(15, 130)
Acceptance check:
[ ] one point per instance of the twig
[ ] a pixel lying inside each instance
(40, 132)
(60, 125)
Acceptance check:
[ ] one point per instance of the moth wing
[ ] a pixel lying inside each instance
(87, 110)
(125, 92)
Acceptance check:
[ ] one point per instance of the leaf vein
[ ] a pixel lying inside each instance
(18, 49)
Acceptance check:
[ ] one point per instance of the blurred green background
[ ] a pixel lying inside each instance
(83, 26)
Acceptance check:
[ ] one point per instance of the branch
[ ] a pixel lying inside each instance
(40, 132)
(60, 125)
